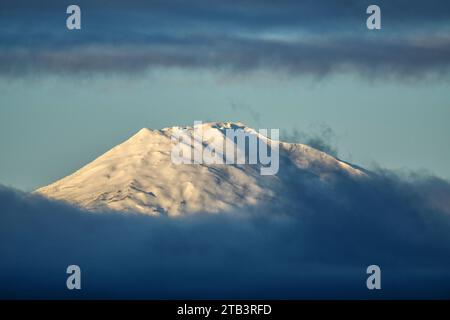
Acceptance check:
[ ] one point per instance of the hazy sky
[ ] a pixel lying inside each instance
(68, 96)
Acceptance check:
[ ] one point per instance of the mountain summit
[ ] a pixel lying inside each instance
(139, 175)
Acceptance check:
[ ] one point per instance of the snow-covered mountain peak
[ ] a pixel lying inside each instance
(139, 175)
(208, 126)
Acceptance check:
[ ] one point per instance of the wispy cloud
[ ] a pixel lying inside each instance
(324, 139)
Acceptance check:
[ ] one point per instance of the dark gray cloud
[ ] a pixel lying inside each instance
(246, 14)
(318, 246)
(392, 58)
(294, 37)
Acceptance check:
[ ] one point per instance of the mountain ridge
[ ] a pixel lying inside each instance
(138, 175)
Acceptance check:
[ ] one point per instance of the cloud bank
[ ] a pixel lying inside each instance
(315, 38)
(319, 246)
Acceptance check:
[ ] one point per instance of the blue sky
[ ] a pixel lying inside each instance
(68, 96)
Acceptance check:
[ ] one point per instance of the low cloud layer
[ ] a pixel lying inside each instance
(318, 246)
(315, 38)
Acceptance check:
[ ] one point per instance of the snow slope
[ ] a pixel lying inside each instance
(139, 176)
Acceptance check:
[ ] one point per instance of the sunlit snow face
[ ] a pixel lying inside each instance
(226, 144)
